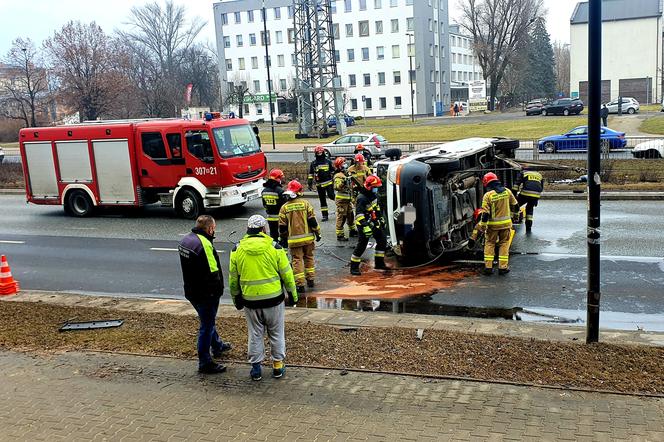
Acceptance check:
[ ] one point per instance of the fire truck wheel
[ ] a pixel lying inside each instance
(78, 204)
(189, 204)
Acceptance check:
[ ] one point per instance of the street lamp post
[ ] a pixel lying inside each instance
(269, 80)
(410, 78)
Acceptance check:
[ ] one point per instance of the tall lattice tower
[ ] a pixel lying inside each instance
(318, 88)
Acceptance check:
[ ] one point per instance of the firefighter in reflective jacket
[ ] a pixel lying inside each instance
(320, 171)
(358, 174)
(369, 222)
(342, 190)
(532, 185)
(298, 229)
(364, 152)
(497, 206)
(273, 199)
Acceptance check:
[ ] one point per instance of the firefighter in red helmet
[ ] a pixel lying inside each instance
(358, 174)
(273, 199)
(498, 205)
(320, 172)
(298, 229)
(369, 222)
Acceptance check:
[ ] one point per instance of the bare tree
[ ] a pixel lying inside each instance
(83, 59)
(200, 69)
(497, 27)
(164, 36)
(238, 91)
(25, 91)
(562, 60)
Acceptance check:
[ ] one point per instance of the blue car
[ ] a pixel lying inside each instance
(577, 140)
(332, 121)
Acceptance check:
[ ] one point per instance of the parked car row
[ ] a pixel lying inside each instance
(574, 106)
(344, 146)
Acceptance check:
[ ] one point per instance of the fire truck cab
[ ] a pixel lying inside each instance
(190, 165)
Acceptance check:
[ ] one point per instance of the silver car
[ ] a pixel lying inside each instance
(629, 106)
(345, 146)
(2, 154)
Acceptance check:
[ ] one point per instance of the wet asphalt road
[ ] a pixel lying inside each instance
(134, 253)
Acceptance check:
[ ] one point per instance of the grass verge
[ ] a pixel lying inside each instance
(11, 175)
(653, 125)
(633, 369)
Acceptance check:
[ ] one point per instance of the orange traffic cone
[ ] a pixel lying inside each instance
(8, 285)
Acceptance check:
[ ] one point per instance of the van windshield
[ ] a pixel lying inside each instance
(235, 141)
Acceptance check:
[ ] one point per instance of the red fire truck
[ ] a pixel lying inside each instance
(190, 165)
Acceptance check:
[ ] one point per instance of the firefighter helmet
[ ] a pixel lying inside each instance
(319, 150)
(339, 163)
(359, 147)
(477, 214)
(294, 186)
(489, 177)
(359, 158)
(372, 181)
(276, 174)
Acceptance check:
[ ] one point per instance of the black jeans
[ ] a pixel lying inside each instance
(363, 241)
(323, 194)
(530, 203)
(207, 332)
(274, 229)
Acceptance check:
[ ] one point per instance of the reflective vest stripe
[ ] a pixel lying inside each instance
(259, 281)
(261, 297)
(209, 253)
(272, 218)
(531, 193)
(324, 183)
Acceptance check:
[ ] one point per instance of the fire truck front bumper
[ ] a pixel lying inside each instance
(234, 195)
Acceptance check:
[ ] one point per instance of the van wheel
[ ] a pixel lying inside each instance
(443, 166)
(78, 204)
(189, 204)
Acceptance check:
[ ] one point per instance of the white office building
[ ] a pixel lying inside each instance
(464, 67)
(371, 47)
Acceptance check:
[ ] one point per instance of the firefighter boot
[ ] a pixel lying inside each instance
(311, 283)
(488, 271)
(504, 271)
(300, 289)
(342, 238)
(379, 263)
(355, 268)
(352, 233)
(529, 226)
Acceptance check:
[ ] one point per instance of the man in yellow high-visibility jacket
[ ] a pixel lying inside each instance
(259, 272)
(497, 206)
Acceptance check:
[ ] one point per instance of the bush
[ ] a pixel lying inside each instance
(9, 130)
(11, 175)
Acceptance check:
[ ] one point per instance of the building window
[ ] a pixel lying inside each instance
(277, 13)
(246, 109)
(238, 41)
(257, 86)
(351, 80)
(431, 77)
(379, 26)
(291, 35)
(229, 64)
(224, 19)
(453, 75)
(363, 27)
(290, 11)
(363, 5)
(250, 16)
(254, 62)
(397, 77)
(337, 55)
(382, 103)
(293, 60)
(431, 50)
(252, 39)
(381, 78)
(237, 17)
(259, 109)
(351, 54)
(240, 62)
(412, 75)
(410, 24)
(394, 3)
(333, 6)
(265, 40)
(282, 84)
(268, 61)
(353, 104)
(227, 42)
(349, 30)
(380, 52)
(335, 31)
(281, 61)
(397, 102)
(430, 25)
(279, 35)
(367, 79)
(365, 54)
(367, 103)
(347, 6)
(409, 2)
(378, 4)
(411, 49)
(395, 51)
(395, 25)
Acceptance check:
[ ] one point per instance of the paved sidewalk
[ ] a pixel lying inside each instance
(90, 396)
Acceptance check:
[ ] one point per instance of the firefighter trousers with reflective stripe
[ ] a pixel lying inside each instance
(530, 203)
(323, 194)
(497, 239)
(363, 241)
(344, 216)
(303, 263)
(260, 321)
(274, 229)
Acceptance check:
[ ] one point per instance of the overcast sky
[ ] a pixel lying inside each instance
(38, 19)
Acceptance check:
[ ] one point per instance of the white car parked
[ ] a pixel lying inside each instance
(345, 146)
(629, 106)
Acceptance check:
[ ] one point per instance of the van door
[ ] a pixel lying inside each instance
(199, 157)
(158, 168)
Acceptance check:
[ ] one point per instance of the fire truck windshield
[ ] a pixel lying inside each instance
(235, 141)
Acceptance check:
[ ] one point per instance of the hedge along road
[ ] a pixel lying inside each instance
(134, 253)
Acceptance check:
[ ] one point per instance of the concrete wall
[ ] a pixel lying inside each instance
(631, 49)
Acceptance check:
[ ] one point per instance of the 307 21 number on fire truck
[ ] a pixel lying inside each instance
(205, 170)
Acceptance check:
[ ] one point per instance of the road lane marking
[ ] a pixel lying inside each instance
(6, 241)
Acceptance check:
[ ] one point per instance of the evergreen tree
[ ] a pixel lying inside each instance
(540, 78)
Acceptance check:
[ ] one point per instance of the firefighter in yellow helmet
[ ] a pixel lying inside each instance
(342, 191)
(298, 229)
(497, 205)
